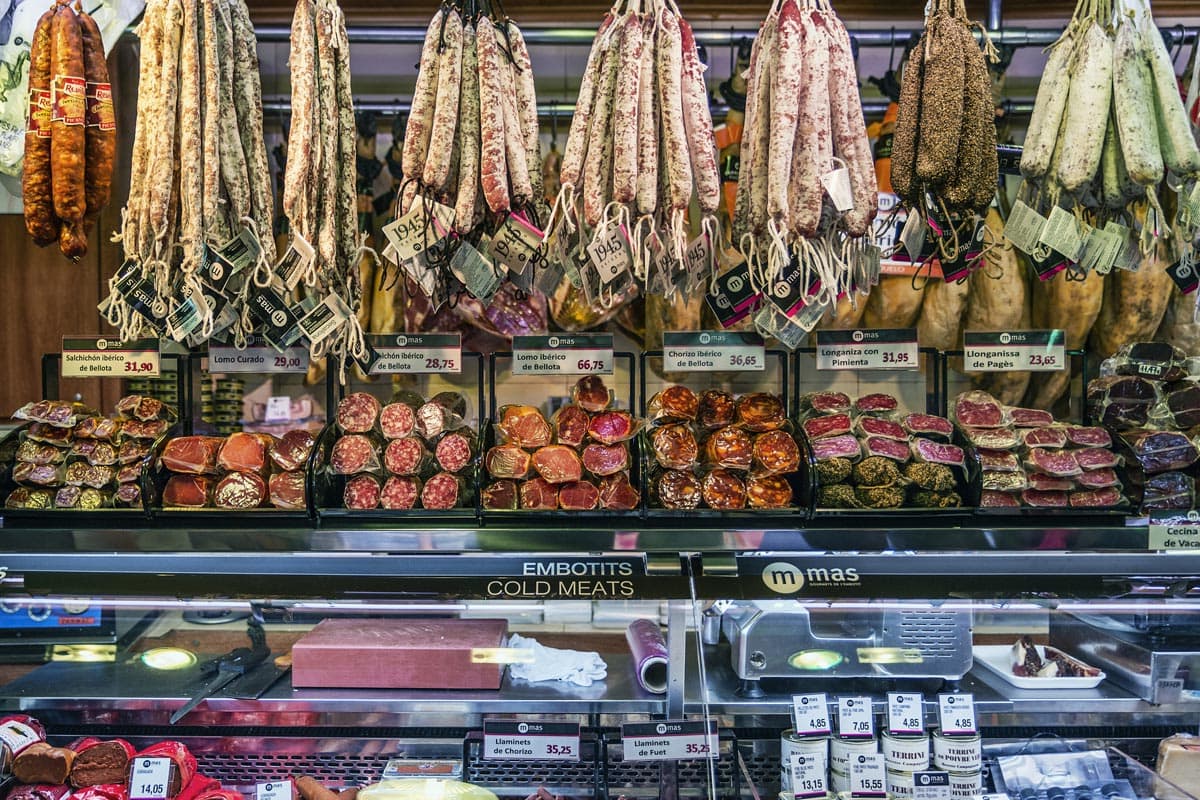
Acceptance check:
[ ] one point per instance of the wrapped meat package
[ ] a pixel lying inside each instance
(610, 427)
(1004, 481)
(578, 495)
(999, 460)
(508, 461)
(1157, 361)
(1180, 406)
(992, 438)
(776, 453)
(976, 409)
(602, 460)
(1030, 417)
(240, 490)
(876, 404)
(674, 446)
(524, 426)
(358, 412)
(938, 453)
(995, 499)
(888, 448)
(442, 492)
(828, 425)
(538, 494)
(557, 464)
(1044, 437)
(845, 446)
(287, 491)
(571, 425)
(1049, 483)
(618, 494)
(397, 420)
(768, 491)
(1161, 451)
(361, 493)
(678, 489)
(59, 413)
(673, 404)
(1088, 437)
(1108, 497)
(292, 450)
(591, 394)
(878, 426)
(500, 495)
(400, 493)
(1059, 463)
(825, 402)
(760, 411)
(245, 452)
(445, 411)
(723, 490)
(1121, 401)
(187, 491)
(353, 454)
(715, 409)
(192, 455)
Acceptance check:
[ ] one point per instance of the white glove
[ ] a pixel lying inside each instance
(552, 664)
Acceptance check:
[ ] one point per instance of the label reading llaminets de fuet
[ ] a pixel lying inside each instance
(563, 354)
(669, 741)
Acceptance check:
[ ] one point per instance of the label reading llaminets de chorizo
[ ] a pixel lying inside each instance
(100, 113)
(41, 111)
(70, 100)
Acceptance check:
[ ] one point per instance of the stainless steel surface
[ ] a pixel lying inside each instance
(677, 656)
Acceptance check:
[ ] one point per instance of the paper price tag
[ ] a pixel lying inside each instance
(868, 775)
(855, 720)
(1062, 234)
(98, 357)
(1178, 531)
(296, 261)
(874, 348)
(809, 774)
(279, 409)
(931, 785)
(257, 359)
(409, 235)
(956, 714)
(563, 354)
(810, 713)
(1003, 351)
(669, 741)
(150, 779)
(531, 741)
(610, 254)
(516, 246)
(415, 353)
(906, 713)
(276, 790)
(713, 351)
(734, 297)
(1024, 227)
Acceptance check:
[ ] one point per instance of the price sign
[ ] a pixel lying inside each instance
(809, 771)
(669, 741)
(276, 790)
(98, 357)
(810, 713)
(1003, 351)
(257, 359)
(563, 354)
(713, 351)
(906, 713)
(150, 778)
(868, 775)
(931, 785)
(415, 353)
(855, 720)
(531, 741)
(956, 713)
(868, 348)
(1179, 531)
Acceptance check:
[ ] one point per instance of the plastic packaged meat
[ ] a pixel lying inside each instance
(1096, 458)
(937, 452)
(1168, 491)
(358, 412)
(361, 493)
(578, 496)
(674, 446)
(245, 452)
(445, 411)
(104, 454)
(59, 413)
(888, 448)
(1157, 361)
(768, 491)
(128, 495)
(1098, 479)
(29, 474)
(132, 451)
(977, 409)
(715, 409)
(397, 420)
(1088, 436)
(25, 498)
(878, 426)
(618, 494)
(240, 490)
(993, 499)
(524, 426)
(48, 434)
(1030, 417)
(500, 496)
(723, 490)
(557, 464)
(1182, 404)
(673, 404)
(1036, 499)
(352, 454)
(292, 450)
(591, 394)
(1161, 451)
(610, 427)
(929, 425)
(760, 411)
(31, 452)
(287, 491)
(67, 497)
(678, 489)
(187, 491)
(1049, 483)
(192, 455)
(1121, 400)
(135, 429)
(406, 456)
(400, 493)
(602, 459)
(992, 438)
(454, 451)
(730, 447)
(845, 446)
(508, 461)
(1109, 497)
(825, 402)
(97, 428)
(999, 460)
(539, 494)
(1044, 437)
(1059, 463)
(828, 425)
(878, 403)
(776, 453)
(571, 425)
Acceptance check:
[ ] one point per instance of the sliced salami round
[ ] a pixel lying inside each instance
(453, 452)
(351, 454)
(397, 420)
(400, 493)
(405, 456)
(440, 492)
(357, 412)
(361, 493)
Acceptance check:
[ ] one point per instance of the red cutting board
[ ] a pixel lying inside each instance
(397, 654)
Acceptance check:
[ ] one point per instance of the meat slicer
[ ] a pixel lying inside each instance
(797, 639)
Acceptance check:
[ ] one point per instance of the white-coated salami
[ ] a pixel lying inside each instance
(785, 82)
(751, 203)
(597, 167)
(670, 96)
(577, 140)
(520, 185)
(697, 119)
(813, 153)
(493, 160)
(625, 112)
(527, 107)
(420, 117)
(468, 151)
(849, 127)
(445, 113)
(648, 116)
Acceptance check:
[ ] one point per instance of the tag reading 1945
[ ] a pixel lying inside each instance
(563, 354)
(868, 348)
(669, 741)
(531, 741)
(97, 357)
(150, 779)
(1003, 351)
(415, 353)
(713, 351)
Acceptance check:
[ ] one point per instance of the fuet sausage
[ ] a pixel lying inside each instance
(493, 166)
(625, 111)
(468, 150)
(101, 134)
(248, 94)
(577, 139)
(849, 128)
(303, 68)
(754, 124)
(813, 153)
(420, 118)
(520, 184)
(527, 108)
(697, 120)
(234, 175)
(597, 167)
(191, 138)
(670, 73)
(213, 224)
(647, 166)
(445, 113)
(36, 181)
(150, 34)
(67, 132)
(785, 81)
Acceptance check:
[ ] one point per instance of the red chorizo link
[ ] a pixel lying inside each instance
(67, 132)
(36, 179)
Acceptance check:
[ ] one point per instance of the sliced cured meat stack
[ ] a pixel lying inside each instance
(976, 409)
(240, 490)
(723, 490)
(845, 446)
(405, 456)
(245, 452)
(1030, 417)
(673, 404)
(454, 452)
(999, 460)
(610, 427)
(1060, 463)
(353, 454)
(571, 425)
(508, 461)
(1096, 458)
(1088, 437)
(1183, 403)
(524, 426)
(361, 493)
(1096, 498)
(192, 455)
(888, 448)
(557, 464)
(578, 496)
(618, 494)
(715, 409)
(602, 460)
(187, 491)
(877, 426)
(292, 450)
(591, 394)
(1161, 451)
(876, 404)
(1037, 499)
(1121, 401)
(287, 491)
(400, 493)
(397, 420)
(539, 494)
(826, 402)
(500, 496)
(992, 499)
(1042, 482)
(1098, 479)
(938, 453)
(730, 447)
(992, 438)
(674, 446)
(760, 411)
(1044, 437)
(768, 491)
(441, 492)
(678, 489)
(358, 412)
(830, 425)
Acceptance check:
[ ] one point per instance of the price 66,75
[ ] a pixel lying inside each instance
(590, 365)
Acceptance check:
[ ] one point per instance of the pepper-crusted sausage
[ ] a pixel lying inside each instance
(248, 88)
(445, 110)
(942, 91)
(36, 180)
(347, 192)
(493, 166)
(234, 174)
(904, 140)
(67, 134)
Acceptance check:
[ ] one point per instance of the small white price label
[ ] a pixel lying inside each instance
(150, 779)
(809, 771)
(531, 741)
(416, 353)
(868, 775)
(669, 741)
(257, 359)
(713, 351)
(1004, 351)
(275, 790)
(279, 409)
(563, 354)
(931, 785)
(956, 713)
(98, 357)
(855, 720)
(810, 713)
(868, 348)
(906, 713)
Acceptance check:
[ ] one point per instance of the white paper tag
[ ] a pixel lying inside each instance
(409, 235)
(837, 184)
(868, 348)
(257, 359)
(150, 779)
(531, 741)
(855, 720)
(713, 351)
(931, 785)
(868, 775)
(610, 254)
(296, 261)
(956, 713)
(1062, 234)
(906, 713)
(563, 354)
(912, 236)
(1024, 227)
(415, 353)
(516, 246)
(809, 771)
(1005, 351)
(100, 357)
(810, 713)
(279, 409)
(669, 741)
(276, 790)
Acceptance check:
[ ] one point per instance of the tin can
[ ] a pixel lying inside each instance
(899, 783)
(790, 796)
(839, 782)
(905, 753)
(965, 785)
(957, 753)
(792, 743)
(842, 750)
